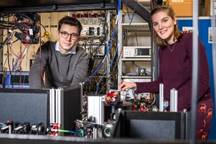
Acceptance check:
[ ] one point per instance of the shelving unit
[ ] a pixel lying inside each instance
(135, 62)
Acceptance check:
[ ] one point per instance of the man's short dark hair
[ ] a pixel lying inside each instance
(70, 21)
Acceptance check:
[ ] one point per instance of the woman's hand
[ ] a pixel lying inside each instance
(127, 85)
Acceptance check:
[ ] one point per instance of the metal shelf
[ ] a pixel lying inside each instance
(136, 46)
(137, 59)
(135, 24)
(136, 77)
(140, 27)
(134, 38)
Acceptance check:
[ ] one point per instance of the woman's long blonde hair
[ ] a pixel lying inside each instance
(170, 12)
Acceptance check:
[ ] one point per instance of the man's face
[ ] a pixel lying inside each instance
(68, 37)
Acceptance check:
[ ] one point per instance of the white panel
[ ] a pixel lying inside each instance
(161, 97)
(59, 107)
(173, 100)
(96, 108)
(52, 106)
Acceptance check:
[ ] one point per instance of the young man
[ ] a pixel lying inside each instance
(62, 63)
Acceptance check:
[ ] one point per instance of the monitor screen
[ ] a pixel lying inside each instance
(24, 105)
(151, 125)
(71, 107)
(154, 129)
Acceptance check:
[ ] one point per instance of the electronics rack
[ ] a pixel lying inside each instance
(14, 79)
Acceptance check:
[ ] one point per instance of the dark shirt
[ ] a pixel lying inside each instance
(175, 62)
(62, 70)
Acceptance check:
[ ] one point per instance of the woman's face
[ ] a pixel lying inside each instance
(163, 25)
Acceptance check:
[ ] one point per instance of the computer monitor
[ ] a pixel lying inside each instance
(36, 106)
(151, 125)
(24, 105)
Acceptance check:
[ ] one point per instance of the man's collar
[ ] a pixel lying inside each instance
(72, 51)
